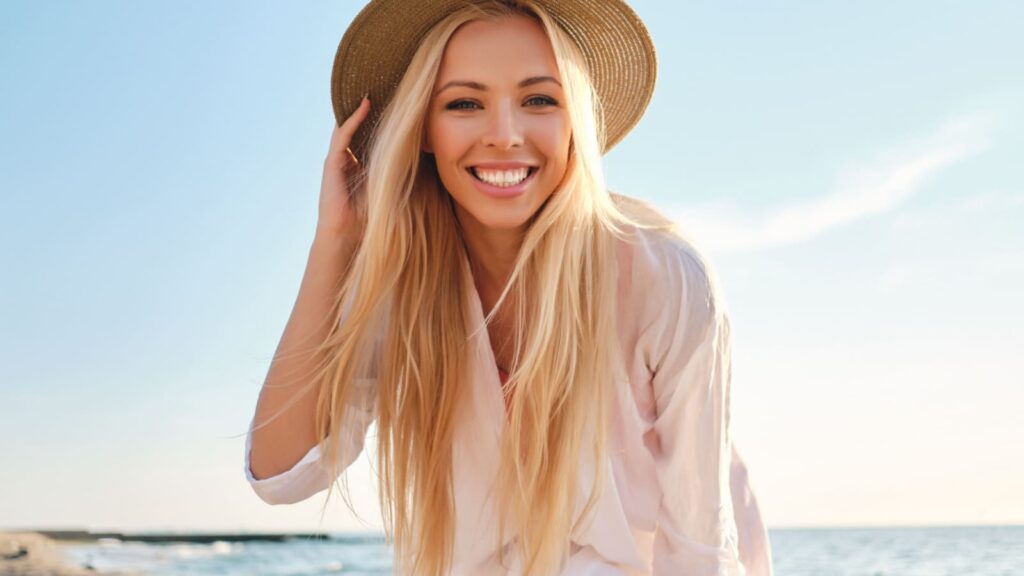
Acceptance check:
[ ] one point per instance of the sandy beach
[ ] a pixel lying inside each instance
(33, 554)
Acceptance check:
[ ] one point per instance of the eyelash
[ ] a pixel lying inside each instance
(455, 105)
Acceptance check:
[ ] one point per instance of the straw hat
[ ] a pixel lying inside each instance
(381, 40)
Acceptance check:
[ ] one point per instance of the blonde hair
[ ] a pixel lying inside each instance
(400, 317)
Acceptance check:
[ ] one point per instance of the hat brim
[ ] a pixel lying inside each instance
(382, 39)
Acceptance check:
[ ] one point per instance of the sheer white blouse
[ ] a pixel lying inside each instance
(677, 498)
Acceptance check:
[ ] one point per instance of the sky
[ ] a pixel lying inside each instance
(852, 170)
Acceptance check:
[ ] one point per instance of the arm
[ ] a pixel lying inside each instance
(280, 443)
(696, 532)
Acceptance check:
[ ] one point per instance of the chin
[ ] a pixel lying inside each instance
(502, 221)
(485, 213)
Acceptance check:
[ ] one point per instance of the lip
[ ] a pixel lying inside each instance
(506, 191)
(509, 165)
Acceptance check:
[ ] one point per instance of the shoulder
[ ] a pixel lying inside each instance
(664, 254)
(669, 275)
(670, 300)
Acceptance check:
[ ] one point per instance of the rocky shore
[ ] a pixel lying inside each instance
(34, 554)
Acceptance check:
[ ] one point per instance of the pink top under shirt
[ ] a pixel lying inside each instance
(678, 499)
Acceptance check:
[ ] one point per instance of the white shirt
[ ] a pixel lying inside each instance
(671, 505)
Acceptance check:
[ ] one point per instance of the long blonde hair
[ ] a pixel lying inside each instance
(400, 318)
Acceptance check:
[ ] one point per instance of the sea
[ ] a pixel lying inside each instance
(931, 551)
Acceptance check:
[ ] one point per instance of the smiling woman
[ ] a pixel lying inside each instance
(497, 128)
(472, 198)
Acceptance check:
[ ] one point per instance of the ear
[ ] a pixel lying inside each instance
(425, 143)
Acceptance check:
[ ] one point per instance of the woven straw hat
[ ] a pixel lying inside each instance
(381, 40)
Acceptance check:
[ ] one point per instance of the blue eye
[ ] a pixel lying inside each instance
(470, 105)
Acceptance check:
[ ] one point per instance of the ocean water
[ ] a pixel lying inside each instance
(939, 551)
(936, 551)
(357, 555)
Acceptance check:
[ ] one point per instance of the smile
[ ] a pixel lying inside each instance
(503, 183)
(502, 178)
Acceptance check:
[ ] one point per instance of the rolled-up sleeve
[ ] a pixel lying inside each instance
(311, 475)
(691, 365)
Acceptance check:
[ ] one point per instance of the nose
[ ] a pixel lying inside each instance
(504, 129)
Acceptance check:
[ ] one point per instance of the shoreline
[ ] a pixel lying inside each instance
(34, 554)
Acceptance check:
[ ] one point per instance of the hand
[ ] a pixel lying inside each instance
(338, 220)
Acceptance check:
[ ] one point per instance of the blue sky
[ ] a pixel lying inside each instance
(852, 169)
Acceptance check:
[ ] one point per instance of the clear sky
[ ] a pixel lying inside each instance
(852, 169)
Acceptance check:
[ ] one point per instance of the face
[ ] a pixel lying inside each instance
(497, 125)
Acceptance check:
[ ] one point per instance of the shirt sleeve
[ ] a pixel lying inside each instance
(754, 545)
(691, 365)
(310, 475)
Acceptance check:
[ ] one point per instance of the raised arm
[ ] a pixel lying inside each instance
(279, 444)
(276, 446)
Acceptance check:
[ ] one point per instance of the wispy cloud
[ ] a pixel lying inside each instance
(895, 278)
(860, 191)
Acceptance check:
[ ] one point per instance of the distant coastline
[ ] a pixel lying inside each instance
(164, 537)
(33, 552)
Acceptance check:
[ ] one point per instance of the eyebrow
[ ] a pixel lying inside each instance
(478, 86)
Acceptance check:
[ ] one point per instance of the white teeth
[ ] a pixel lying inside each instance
(502, 178)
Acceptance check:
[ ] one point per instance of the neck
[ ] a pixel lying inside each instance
(492, 255)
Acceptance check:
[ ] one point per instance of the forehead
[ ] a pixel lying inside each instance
(505, 48)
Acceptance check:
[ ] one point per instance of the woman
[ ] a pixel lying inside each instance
(475, 199)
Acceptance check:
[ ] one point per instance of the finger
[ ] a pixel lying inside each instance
(341, 137)
(349, 126)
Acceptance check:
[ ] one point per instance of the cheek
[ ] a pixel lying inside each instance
(555, 137)
(556, 143)
(447, 151)
(446, 140)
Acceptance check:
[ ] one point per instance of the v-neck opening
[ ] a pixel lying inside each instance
(494, 387)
